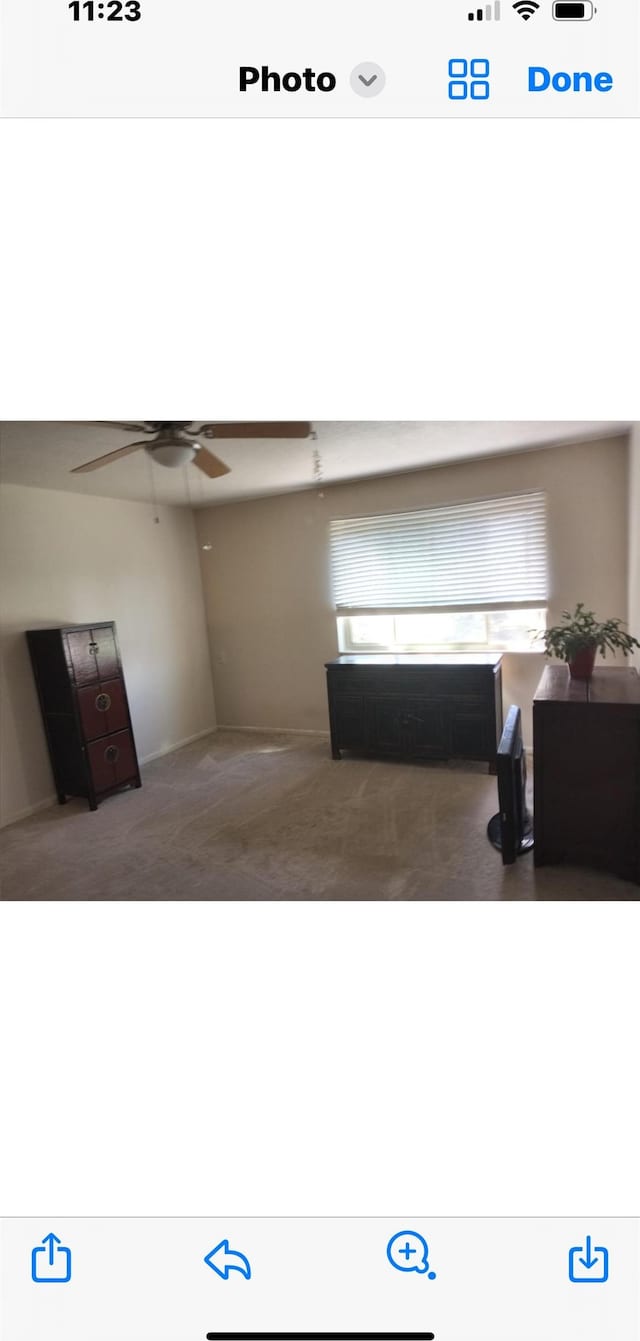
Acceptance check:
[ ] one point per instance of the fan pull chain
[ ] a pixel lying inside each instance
(185, 472)
(207, 547)
(318, 467)
(152, 485)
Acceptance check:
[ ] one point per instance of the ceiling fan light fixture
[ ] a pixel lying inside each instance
(174, 443)
(172, 453)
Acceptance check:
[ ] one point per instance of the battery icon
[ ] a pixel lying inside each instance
(582, 10)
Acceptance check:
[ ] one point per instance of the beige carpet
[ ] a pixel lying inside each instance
(242, 815)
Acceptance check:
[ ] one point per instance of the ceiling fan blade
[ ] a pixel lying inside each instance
(140, 427)
(267, 430)
(210, 464)
(111, 456)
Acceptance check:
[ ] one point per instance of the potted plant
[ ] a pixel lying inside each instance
(580, 636)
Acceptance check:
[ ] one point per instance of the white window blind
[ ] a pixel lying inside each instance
(489, 554)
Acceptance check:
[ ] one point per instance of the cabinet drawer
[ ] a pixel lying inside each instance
(93, 654)
(350, 681)
(112, 761)
(103, 708)
(428, 683)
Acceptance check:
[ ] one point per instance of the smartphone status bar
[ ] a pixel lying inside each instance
(368, 58)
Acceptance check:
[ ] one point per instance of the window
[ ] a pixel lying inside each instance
(470, 576)
(493, 630)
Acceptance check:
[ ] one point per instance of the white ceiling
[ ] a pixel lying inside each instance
(41, 454)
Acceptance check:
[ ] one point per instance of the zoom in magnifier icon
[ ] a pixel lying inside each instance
(408, 1251)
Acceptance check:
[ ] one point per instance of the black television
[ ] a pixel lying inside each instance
(511, 830)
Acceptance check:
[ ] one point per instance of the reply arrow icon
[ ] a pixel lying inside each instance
(222, 1259)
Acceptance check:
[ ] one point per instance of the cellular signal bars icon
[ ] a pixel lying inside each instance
(489, 12)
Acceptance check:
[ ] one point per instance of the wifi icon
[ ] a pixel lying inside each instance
(526, 8)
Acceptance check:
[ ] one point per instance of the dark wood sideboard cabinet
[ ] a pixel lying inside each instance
(438, 707)
(586, 770)
(85, 711)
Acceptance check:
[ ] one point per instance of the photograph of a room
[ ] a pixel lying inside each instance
(307, 660)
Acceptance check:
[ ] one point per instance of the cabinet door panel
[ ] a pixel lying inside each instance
(427, 728)
(102, 708)
(349, 719)
(82, 650)
(471, 735)
(387, 724)
(94, 655)
(112, 761)
(591, 761)
(106, 653)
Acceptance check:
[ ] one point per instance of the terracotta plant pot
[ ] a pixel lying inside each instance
(581, 665)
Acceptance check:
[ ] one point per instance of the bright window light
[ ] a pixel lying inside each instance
(477, 631)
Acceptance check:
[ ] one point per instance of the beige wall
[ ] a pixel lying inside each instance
(70, 559)
(634, 535)
(267, 579)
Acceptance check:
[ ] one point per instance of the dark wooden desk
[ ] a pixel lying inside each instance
(586, 761)
(419, 707)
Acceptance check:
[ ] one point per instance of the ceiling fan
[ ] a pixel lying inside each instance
(175, 442)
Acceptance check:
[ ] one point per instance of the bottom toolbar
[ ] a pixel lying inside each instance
(208, 1279)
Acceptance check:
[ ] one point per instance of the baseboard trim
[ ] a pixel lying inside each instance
(29, 810)
(274, 730)
(148, 758)
(170, 749)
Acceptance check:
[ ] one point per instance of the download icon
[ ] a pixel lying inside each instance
(588, 1265)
